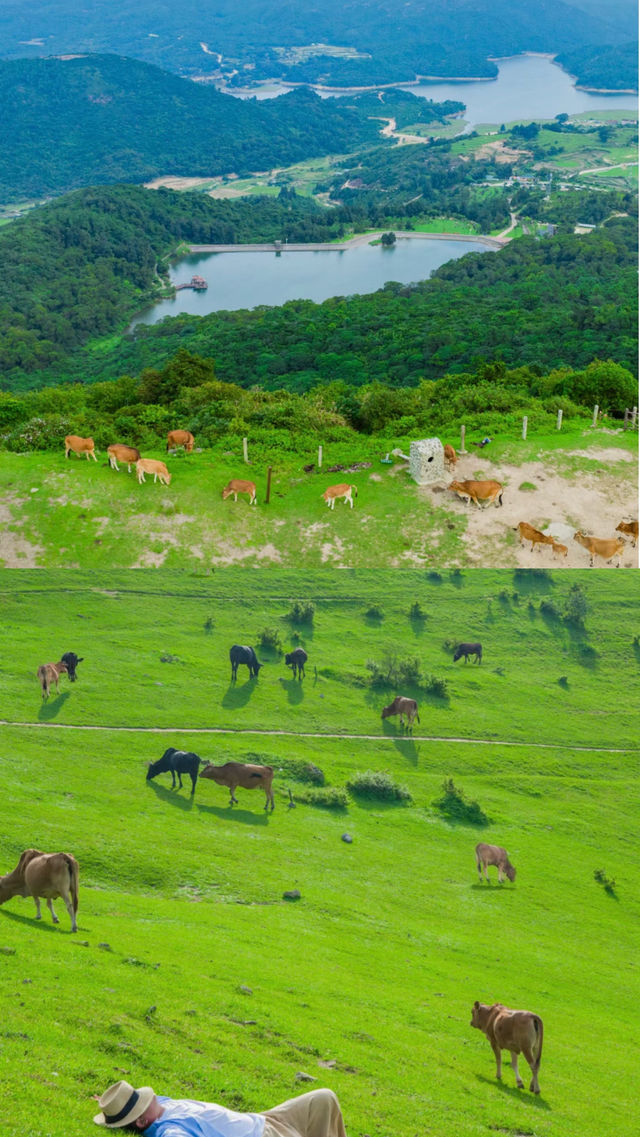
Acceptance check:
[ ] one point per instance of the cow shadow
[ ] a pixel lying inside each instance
(536, 1101)
(533, 581)
(50, 709)
(43, 925)
(233, 813)
(173, 795)
(293, 687)
(407, 748)
(236, 696)
(492, 886)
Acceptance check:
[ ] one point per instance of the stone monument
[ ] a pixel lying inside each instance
(426, 461)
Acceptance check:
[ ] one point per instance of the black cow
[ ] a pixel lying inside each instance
(176, 762)
(240, 654)
(296, 660)
(72, 661)
(468, 649)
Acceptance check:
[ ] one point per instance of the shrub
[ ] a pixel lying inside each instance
(374, 612)
(576, 608)
(455, 804)
(417, 612)
(301, 771)
(549, 609)
(208, 625)
(329, 797)
(301, 612)
(607, 882)
(269, 639)
(435, 686)
(379, 786)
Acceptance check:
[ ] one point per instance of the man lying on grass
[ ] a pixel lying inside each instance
(316, 1114)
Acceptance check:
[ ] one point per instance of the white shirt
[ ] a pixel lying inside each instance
(203, 1119)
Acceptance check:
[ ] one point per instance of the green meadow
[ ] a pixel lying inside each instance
(190, 971)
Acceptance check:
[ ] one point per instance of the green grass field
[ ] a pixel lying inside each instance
(190, 971)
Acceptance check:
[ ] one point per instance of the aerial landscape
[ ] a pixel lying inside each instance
(318, 445)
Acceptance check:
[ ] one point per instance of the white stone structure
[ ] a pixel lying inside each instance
(426, 461)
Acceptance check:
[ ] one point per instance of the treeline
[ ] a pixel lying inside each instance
(140, 410)
(605, 68)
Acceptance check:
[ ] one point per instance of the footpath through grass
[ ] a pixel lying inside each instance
(190, 971)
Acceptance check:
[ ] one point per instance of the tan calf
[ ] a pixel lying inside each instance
(597, 547)
(49, 673)
(152, 466)
(498, 857)
(561, 550)
(520, 1032)
(127, 454)
(176, 438)
(630, 527)
(46, 875)
(236, 486)
(79, 446)
(450, 455)
(332, 493)
(528, 533)
(482, 493)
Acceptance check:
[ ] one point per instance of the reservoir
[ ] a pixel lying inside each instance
(248, 279)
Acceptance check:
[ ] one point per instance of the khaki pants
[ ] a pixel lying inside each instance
(316, 1114)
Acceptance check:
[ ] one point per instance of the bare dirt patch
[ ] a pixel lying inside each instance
(15, 550)
(500, 152)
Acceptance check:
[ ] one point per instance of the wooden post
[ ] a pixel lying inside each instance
(524, 427)
(462, 434)
(595, 415)
(268, 495)
(245, 450)
(320, 457)
(559, 422)
(626, 419)
(634, 416)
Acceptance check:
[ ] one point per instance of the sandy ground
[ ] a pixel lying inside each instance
(499, 152)
(559, 505)
(15, 551)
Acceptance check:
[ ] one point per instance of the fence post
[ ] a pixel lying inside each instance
(268, 494)
(319, 457)
(626, 419)
(559, 422)
(462, 434)
(245, 450)
(524, 427)
(595, 415)
(634, 415)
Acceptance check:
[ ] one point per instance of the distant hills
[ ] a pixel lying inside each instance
(102, 119)
(338, 42)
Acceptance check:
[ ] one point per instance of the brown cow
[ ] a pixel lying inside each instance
(152, 466)
(520, 1032)
(49, 673)
(558, 548)
(478, 492)
(402, 706)
(46, 875)
(236, 486)
(450, 455)
(494, 855)
(176, 438)
(343, 490)
(528, 533)
(598, 547)
(234, 774)
(80, 446)
(630, 527)
(127, 454)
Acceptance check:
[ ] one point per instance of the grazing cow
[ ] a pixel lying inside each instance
(234, 774)
(176, 762)
(450, 455)
(343, 490)
(72, 661)
(494, 855)
(466, 650)
(558, 548)
(296, 660)
(402, 706)
(127, 454)
(528, 533)
(607, 549)
(46, 875)
(630, 527)
(49, 673)
(520, 1032)
(152, 466)
(236, 486)
(478, 492)
(238, 654)
(176, 438)
(80, 446)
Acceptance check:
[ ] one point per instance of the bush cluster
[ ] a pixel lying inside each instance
(302, 771)
(371, 784)
(329, 797)
(397, 671)
(455, 804)
(301, 612)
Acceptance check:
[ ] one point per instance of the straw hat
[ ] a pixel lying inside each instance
(121, 1104)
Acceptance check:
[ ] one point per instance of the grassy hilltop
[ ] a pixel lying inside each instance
(189, 970)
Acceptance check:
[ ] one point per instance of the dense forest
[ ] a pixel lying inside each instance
(603, 68)
(380, 41)
(103, 119)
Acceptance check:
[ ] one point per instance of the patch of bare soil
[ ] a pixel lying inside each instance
(559, 505)
(499, 152)
(229, 554)
(15, 550)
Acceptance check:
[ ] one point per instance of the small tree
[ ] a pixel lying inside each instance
(576, 608)
(388, 239)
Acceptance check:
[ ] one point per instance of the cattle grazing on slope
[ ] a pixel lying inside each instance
(240, 653)
(80, 446)
(528, 533)
(520, 1032)
(236, 486)
(332, 493)
(127, 454)
(403, 707)
(48, 674)
(630, 527)
(598, 547)
(494, 855)
(176, 438)
(296, 660)
(152, 466)
(176, 762)
(72, 660)
(482, 493)
(46, 875)
(466, 650)
(248, 777)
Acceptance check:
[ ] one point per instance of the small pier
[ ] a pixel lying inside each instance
(198, 283)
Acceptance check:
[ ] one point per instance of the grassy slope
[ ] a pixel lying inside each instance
(378, 964)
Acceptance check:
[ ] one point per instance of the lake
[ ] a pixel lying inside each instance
(527, 87)
(248, 279)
